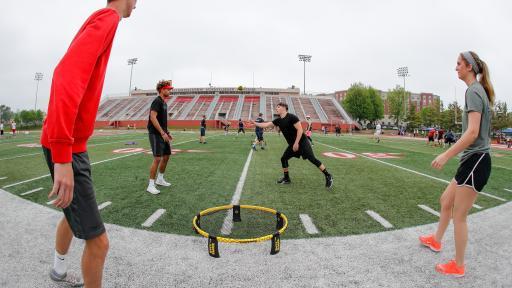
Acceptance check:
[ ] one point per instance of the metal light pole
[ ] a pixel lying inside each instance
(131, 61)
(305, 58)
(38, 77)
(404, 72)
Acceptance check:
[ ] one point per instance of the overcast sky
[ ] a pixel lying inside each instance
(232, 40)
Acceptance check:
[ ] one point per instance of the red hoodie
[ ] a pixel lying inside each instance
(76, 87)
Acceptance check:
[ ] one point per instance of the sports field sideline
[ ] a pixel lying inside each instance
(377, 187)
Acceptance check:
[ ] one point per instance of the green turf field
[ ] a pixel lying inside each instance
(209, 178)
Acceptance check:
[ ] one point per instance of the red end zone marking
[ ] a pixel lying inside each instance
(383, 155)
(30, 145)
(339, 155)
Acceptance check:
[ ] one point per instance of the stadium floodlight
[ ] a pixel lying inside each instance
(305, 58)
(404, 72)
(38, 77)
(131, 61)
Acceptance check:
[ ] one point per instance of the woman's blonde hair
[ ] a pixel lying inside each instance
(485, 79)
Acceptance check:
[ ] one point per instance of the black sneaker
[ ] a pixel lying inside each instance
(284, 180)
(329, 181)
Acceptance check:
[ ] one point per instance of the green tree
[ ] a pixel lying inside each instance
(357, 102)
(501, 117)
(426, 116)
(396, 103)
(6, 113)
(413, 117)
(377, 107)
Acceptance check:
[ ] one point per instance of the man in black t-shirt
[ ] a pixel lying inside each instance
(202, 131)
(298, 145)
(240, 127)
(259, 134)
(159, 137)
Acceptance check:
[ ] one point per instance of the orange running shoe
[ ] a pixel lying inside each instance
(451, 268)
(430, 242)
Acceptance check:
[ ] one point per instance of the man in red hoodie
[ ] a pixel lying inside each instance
(74, 98)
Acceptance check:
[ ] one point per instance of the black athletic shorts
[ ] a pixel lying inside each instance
(474, 171)
(305, 151)
(430, 139)
(159, 146)
(82, 214)
(241, 130)
(203, 131)
(259, 135)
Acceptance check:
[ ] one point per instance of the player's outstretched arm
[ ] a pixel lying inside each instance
(263, 124)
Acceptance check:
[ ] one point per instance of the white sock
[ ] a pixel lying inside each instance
(160, 176)
(59, 264)
(152, 182)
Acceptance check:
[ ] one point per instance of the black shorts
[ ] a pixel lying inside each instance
(241, 130)
(259, 135)
(305, 151)
(474, 171)
(159, 146)
(203, 131)
(430, 139)
(82, 214)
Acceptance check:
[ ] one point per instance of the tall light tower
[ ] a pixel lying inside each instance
(404, 72)
(38, 77)
(305, 58)
(131, 61)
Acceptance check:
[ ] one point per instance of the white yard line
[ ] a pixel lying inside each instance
(429, 210)
(478, 207)
(379, 219)
(508, 190)
(19, 156)
(32, 191)
(228, 221)
(99, 162)
(408, 170)
(104, 205)
(3, 178)
(149, 222)
(308, 224)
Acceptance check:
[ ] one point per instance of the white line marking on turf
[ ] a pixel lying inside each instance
(3, 178)
(502, 167)
(429, 210)
(51, 202)
(32, 191)
(103, 161)
(409, 170)
(492, 196)
(477, 206)
(379, 219)
(509, 190)
(149, 222)
(228, 221)
(104, 205)
(308, 224)
(19, 156)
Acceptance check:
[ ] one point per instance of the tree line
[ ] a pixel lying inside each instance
(23, 118)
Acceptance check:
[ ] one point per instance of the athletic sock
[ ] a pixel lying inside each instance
(59, 264)
(325, 172)
(160, 176)
(152, 182)
(286, 175)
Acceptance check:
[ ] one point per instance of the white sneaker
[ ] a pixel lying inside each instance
(152, 189)
(162, 182)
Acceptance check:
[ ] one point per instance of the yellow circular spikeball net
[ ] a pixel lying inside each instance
(213, 248)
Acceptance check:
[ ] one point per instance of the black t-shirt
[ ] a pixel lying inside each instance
(240, 124)
(203, 123)
(259, 120)
(286, 126)
(160, 107)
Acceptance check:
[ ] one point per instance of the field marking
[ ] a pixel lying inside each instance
(308, 224)
(32, 191)
(409, 170)
(379, 219)
(3, 178)
(99, 162)
(478, 207)
(149, 222)
(429, 210)
(508, 190)
(492, 196)
(104, 205)
(19, 156)
(502, 167)
(227, 226)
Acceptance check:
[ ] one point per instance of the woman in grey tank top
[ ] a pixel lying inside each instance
(475, 164)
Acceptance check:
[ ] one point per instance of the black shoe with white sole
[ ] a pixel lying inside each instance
(284, 180)
(329, 181)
